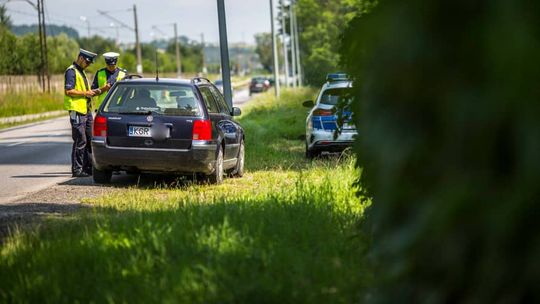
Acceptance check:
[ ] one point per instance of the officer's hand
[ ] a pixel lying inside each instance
(108, 86)
(89, 94)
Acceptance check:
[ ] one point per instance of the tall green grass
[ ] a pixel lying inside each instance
(285, 232)
(14, 104)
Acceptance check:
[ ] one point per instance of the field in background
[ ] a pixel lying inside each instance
(15, 104)
(285, 232)
(21, 95)
(30, 83)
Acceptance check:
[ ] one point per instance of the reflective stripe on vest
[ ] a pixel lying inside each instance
(77, 103)
(102, 80)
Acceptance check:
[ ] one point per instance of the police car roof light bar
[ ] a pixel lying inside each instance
(337, 77)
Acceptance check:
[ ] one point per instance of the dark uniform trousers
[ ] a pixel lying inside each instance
(81, 132)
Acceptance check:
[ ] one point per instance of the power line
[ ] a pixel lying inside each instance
(106, 14)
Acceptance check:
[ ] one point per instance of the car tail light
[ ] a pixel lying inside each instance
(100, 126)
(202, 130)
(322, 112)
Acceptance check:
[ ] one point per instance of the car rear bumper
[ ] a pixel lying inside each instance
(324, 140)
(200, 158)
(256, 89)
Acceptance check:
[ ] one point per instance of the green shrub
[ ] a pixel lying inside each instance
(449, 139)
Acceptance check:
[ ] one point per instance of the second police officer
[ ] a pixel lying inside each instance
(107, 76)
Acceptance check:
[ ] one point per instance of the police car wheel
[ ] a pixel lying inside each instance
(101, 176)
(310, 154)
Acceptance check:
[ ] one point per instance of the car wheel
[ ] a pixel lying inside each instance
(217, 176)
(310, 154)
(101, 176)
(239, 169)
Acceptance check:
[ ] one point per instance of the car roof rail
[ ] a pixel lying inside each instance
(333, 77)
(131, 76)
(199, 80)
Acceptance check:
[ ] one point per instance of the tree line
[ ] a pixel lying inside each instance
(21, 56)
(320, 26)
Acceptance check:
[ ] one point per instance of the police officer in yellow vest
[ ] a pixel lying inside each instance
(77, 100)
(107, 76)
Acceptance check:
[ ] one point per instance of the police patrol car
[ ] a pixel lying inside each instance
(321, 122)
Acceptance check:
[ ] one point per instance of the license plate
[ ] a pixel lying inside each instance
(139, 131)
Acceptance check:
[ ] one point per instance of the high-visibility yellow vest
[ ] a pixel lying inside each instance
(102, 80)
(77, 103)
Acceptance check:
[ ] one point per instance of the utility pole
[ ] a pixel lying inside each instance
(135, 30)
(137, 42)
(41, 73)
(274, 51)
(224, 47)
(204, 70)
(43, 47)
(177, 43)
(41, 69)
(293, 48)
(284, 38)
(85, 20)
(297, 47)
(46, 57)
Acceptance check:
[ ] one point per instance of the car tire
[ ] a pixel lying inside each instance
(101, 176)
(311, 154)
(239, 168)
(217, 176)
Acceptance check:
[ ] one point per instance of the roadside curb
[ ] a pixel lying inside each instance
(31, 124)
(21, 118)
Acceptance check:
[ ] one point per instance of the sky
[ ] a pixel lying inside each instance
(245, 18)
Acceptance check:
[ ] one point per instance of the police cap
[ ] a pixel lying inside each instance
(111, 58)
(87, 55)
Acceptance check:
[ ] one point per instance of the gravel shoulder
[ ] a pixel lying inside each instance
(66, 198)
(59, 200)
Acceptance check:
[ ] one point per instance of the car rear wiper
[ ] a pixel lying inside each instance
(141, 112)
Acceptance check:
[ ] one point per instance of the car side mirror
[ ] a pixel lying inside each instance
(308, 104)
(236, 111)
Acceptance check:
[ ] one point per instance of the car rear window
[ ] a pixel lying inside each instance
(258, 80)
(175, 100)
(335, 96)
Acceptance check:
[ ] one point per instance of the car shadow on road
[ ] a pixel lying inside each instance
(140, 181)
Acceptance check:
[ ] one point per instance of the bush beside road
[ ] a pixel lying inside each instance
(286, 231)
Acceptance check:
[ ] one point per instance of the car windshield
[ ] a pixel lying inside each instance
(335, 96)
(176, 100)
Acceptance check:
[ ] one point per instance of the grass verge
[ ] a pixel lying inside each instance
(285, 232)
(15, 104)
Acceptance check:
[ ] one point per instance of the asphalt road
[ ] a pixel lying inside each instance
(37, 156)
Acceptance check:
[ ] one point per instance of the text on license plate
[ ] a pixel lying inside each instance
(139, 131)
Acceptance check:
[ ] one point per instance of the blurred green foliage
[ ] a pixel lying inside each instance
(447, 110)
(320, 26)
